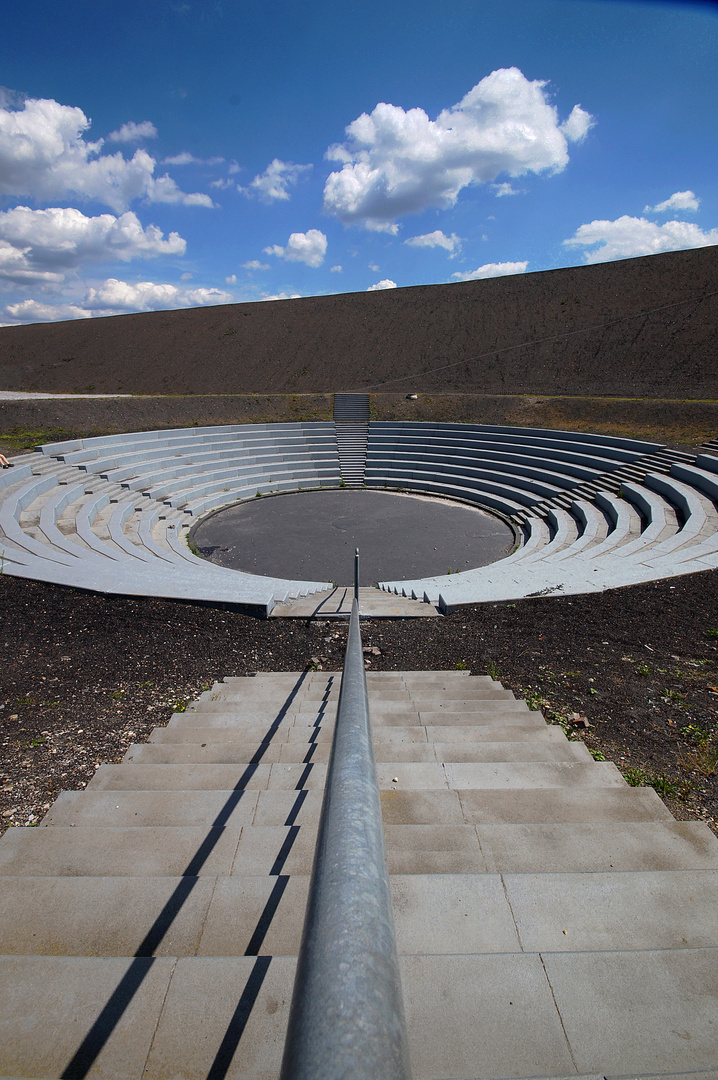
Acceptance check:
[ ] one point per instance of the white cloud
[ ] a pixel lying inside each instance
(578, 124)
(489, 270)
(186, 276)
(114, 297)
(397, 162)
(34, 242)
(374, 268)
(231, 280)
(185, 158)
(131, 132)
(679, 200)
(436, 239)
(274, 182)
(387, 283)
(309, 247)
(255, 264)
(628, 237)
(44, 155)
(281, 296)
(30, 311)
(336, 269)
(502, 190)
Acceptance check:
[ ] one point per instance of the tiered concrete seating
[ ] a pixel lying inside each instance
(111, 514)
(551, 921)
(625, 525)
(591, 512)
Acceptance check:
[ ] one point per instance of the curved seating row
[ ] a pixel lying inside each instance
(111, 513)
(628, 531)
(592, 511)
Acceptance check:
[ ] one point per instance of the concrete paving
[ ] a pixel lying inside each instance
(551, 921)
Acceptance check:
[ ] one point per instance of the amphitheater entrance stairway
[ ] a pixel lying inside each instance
(551, 921)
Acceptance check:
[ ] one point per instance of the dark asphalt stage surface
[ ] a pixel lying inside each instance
(312, 536)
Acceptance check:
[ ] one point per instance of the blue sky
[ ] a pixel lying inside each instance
(172, 153)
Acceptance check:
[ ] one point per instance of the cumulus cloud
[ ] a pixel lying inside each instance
(280, 296)
(131, 132)
(336, 269)
(255, 264)
(436, 239)
(185, 158)
(628, 237)
(231, 280)
(114, 297)
(578, 124)
(34, 243)
(501, 190)
(679, 200)
(309, 247)
(387, 283)
(492, 270)
(397, 162)
(44, 155)
(274, 183)
(30, 311)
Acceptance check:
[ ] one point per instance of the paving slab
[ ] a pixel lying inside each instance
(226, 1013)
(499, 731)
(533, 774)
(452, 913)
(534, 805)
(114, 808)
(167, 851)
(650, 1012)
(421, 807)
(510, 751)
(503, 1008)
(48, 1005)
(636, 910)
(178, 778)
(103, 916)
(589, 848)
(255, 914)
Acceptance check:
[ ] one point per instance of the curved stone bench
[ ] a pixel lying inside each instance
(112, 513)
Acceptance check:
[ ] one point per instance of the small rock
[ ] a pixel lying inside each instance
(14, 717)
(395, 779)
(577, 720)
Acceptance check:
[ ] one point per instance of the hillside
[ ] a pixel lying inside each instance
(639, 328)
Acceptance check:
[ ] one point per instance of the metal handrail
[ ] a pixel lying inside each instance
(347, 1015)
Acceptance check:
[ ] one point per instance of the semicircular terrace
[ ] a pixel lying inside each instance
(594, 512)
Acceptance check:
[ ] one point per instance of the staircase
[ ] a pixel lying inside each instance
(661, 461)
(551, 921)
(351, 420)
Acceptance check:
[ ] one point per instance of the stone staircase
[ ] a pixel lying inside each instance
(351, 420)
(551, 921)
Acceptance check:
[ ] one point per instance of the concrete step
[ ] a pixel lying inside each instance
(532, 889)
(238, 753)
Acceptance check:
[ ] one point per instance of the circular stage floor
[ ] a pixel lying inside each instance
(312, 536)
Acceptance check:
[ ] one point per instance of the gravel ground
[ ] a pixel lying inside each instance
(83, 675)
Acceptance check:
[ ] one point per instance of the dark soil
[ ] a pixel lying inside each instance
(638, 328)
(83, 675)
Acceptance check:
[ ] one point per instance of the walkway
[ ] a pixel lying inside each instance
(551, 921)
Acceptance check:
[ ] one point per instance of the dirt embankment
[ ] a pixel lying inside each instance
(640, 328)
(685, 424)
(83, 675)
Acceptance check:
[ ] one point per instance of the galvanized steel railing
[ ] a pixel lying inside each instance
(347, 1016)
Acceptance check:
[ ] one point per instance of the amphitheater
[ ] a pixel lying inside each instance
(590, 512)
(541, 918)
